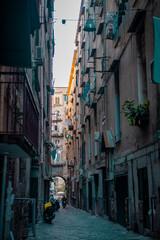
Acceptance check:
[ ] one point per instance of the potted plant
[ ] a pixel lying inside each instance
(136, 114)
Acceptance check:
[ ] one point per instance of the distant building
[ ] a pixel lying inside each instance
(59, 126)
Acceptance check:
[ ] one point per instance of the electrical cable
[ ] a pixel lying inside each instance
(114, 12)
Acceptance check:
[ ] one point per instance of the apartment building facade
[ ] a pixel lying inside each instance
(59, 131)
(116, 132)
(26, 53)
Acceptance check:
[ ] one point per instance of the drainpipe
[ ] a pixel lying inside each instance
(50, 82)
(105, 74)
(42, 126)
(3, 194)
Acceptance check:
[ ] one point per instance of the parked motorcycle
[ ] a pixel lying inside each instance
(48, 214)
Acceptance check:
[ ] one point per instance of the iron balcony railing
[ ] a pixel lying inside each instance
(19, 122)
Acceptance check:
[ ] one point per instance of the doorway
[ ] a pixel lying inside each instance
(122, 194)
(90, 195)
(144, 195)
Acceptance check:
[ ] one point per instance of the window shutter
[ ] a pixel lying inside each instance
(89, 147)
(95, 149)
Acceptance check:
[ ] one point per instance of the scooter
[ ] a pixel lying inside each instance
(48, 214)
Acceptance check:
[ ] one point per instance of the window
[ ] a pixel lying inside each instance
(65, 98)
(56, 128)
(89, 47)
(57, 100)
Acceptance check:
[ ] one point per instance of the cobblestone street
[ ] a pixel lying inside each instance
(74, 224)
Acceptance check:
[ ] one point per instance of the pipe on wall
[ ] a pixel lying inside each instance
(42, 93)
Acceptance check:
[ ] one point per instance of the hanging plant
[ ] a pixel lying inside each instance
(136, 114)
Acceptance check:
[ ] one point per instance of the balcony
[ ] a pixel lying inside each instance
(19, 123)
(57, 134)
(56, 120)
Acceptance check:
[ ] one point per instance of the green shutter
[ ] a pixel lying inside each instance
(115, 23)
(95, 149)
(102, 3)
(156, 66)
(89, 147)
(50, 7)
(53, 154)
(53, 43)
(89, 46)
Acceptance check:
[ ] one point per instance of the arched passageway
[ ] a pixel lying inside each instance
(58, 187)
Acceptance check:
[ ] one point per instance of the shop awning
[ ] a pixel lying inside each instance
(18, 19)
(156, 66)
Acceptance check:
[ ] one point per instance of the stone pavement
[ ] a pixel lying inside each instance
(74, 224)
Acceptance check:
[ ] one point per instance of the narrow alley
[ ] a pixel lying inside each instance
(80, 119)
(74, 224)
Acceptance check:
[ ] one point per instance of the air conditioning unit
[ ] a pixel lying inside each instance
(92, 87)
(87, 101)
(97, 137)
(39, 53)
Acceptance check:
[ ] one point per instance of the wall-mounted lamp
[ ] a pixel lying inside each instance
(63, 21)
